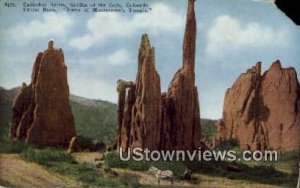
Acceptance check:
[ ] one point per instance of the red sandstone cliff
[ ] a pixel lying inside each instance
(41, 111)
(262, 111)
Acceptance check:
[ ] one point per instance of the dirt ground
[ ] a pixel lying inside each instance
(20, 173)
(201, 180)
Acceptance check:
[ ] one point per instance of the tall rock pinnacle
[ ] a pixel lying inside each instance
(189, 43)
(41, 111)
(139, 118)
(170, 120)
(181, 116)
(146, 109)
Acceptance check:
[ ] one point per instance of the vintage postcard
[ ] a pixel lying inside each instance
(149, 93)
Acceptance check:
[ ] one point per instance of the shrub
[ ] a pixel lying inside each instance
(228, 144)
(86, 143)
(46, 156)
(10, 146)
(290, 155)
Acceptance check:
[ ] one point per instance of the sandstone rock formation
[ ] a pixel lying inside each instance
(139, 116)
(262, 111)
(41, 111)
(146, 109)
(181, 114)
(126, 101)
(169, 120)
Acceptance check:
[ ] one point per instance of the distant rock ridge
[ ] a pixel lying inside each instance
(262, 111)
(154, 120)
(41, 111)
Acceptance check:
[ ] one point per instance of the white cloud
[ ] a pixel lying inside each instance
(51, 25)
(120, 57)
(104, 26)
(228, 34)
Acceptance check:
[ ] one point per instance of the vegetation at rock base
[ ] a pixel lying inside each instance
(97, 121)
(63, 163)
(113, 160)
(208, 129)
(272, 172)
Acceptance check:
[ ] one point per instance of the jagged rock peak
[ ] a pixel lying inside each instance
(139, 103)
(145, 43)
(261, 110)
(145, 51)
(255, 69)
(41, 112)
(276, 65)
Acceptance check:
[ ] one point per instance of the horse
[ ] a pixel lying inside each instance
(161, 174)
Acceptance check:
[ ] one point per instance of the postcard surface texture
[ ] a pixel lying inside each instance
(142, 93)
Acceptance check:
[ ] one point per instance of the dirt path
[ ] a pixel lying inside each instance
(87, 157)
(20, 173)
(145, 178)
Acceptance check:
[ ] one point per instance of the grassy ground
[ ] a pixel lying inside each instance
(281, 173)
(59, 161)
(206, 174)
(65, 164)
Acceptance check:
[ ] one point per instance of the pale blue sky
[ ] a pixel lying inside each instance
(101, 48)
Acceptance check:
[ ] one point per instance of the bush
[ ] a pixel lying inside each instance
(46, 156)
(208, 128)
(10, 146)
(228, 144)
(290, 155)
(85, 143)
(5, 183)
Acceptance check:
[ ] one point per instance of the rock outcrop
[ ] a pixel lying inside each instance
(139, 103)
(126, 101)
(170, 120)
(181, 114)
(262, 111)
(146, 109)
(41, 111)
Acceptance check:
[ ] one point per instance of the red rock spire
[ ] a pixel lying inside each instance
(189, 43)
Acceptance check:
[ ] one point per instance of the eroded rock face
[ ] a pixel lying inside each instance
(280, 93)
(126, 101)
(262, 111)
(139, 103)
(170, 120)
(41, 111)
(146, 110)
(181, 106)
